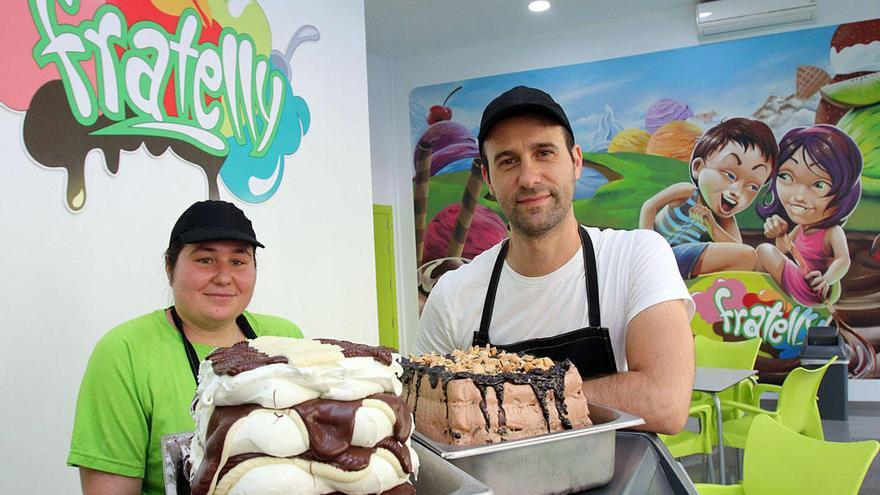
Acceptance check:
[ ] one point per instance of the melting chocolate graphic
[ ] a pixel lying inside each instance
(55, 139)
(541, 383)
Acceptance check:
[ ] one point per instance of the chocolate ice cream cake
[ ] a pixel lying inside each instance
(483, 395)
(281, 416)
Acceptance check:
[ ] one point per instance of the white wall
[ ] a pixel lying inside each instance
(654, 30)
(67, 278)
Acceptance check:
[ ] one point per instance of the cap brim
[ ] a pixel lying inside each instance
(516, 109)
(218, 234)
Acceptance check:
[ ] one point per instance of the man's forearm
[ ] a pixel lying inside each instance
(636, 393)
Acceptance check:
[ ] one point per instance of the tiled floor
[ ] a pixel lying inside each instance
(863, 423)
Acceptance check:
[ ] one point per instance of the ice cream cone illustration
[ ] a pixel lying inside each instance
(420, 195)
(466, 214)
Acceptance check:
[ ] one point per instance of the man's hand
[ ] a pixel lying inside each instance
(660, 355)
(101, 483)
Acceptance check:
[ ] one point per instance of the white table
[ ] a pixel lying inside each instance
(712, 381)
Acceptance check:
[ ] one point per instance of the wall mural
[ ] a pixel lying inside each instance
(198, 78)
(781, 241)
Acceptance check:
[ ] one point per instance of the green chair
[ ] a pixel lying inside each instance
(796, 409)
(779, 461)
(742, 354)
(688, 442)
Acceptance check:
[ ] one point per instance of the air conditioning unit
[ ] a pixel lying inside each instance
(725, 16)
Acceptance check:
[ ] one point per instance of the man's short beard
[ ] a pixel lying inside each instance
(553, 217)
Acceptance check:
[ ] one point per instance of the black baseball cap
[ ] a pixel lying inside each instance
(213, 220)
(516, 101)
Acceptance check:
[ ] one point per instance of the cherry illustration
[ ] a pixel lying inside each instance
(441, 112)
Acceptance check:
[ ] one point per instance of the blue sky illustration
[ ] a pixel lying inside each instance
(732, 78)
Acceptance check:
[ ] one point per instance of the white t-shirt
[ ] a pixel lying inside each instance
(636, 270)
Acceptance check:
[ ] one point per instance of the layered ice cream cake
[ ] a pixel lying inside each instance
(484, 395)
(278, 415)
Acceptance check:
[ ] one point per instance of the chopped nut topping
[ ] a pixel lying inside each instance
(484, 360)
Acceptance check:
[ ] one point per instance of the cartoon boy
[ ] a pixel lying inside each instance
(729, 165)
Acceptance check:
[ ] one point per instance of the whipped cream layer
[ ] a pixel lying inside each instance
(271, 476)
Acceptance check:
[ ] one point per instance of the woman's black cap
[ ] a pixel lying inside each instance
(213, 220)
(519, 100)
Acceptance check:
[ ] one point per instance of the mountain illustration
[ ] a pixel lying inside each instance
(782, 113)
(606, 128)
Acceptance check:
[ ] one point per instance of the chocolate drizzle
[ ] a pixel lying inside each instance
(240, 357)
(483, 407)
(499, 393)
(352, 459)
(402, 417)
(330, 424)
(405, 381)
(352, 349)
(400, 451)
(541, 382)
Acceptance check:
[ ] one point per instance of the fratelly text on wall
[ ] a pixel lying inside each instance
(198, 78)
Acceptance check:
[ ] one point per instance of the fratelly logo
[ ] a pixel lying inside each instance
(730, 309)
(198, 78)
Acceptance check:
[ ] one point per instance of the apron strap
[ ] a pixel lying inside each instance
(190, 351)
(481, 336)
(592, 275)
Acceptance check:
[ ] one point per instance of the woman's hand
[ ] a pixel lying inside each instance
(819, 283)
(775, 227)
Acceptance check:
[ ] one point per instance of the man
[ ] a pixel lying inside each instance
(632, 341)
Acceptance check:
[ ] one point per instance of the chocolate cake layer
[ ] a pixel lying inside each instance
(467, 408)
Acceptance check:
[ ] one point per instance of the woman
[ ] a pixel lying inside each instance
(141, 377)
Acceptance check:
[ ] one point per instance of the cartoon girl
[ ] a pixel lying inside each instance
(815, 189)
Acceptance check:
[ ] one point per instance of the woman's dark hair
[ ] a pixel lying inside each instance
(835, 153)
(172, 253)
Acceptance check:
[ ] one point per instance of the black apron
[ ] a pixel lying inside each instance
(588, 348)
(190, 351)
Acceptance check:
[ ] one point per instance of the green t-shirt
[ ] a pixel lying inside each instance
(137, 387)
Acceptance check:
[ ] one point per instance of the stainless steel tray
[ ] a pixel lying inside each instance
(436, 476)
(557, 463)
(439, 477)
